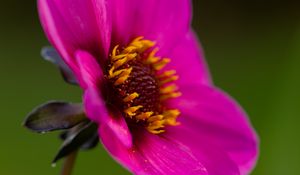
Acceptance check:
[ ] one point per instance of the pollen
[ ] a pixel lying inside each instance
(140, 85)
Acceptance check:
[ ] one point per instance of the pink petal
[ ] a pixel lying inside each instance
(218, 120)
(213, 157)
(164, 154)
(90, 72)
(72, 25)
(96, 110)
(163, 21)
(188, 60)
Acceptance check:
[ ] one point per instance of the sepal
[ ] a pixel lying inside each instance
(51, 55)
(81, 136)
(55, 115)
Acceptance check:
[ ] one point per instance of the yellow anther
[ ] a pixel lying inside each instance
(130, 97)
(111, 71)
(144, 115)
(141, 45)
(131, 56)
(171, 113)
(117, 57)
(127, 71)
(120, 62)
(113, 74)
(137, 39)
(146, 45)
(170, 117)
(168, 89)
(171, 95)
(123, 77)
(153, 52)
(152, 58)
(155, 125)
(130, 49)
(167, 74)
(121, 80)
(155, 118)
(168, 80)
(131, 110)
(156, 131)
(114, 52)
(161, 64)
(122, 59)
(172, 122)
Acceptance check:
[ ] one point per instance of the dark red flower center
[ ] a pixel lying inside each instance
(140, 87)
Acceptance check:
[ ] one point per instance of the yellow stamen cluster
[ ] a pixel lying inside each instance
(138, 49)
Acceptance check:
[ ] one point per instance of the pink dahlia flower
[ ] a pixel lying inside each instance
(147, 87)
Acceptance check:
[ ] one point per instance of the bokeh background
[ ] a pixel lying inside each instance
(253, 51)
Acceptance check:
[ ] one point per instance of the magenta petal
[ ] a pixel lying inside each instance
(213, 157)
(188, 60)
(170, 153)
(217, 119)
(162, 21)
(96, 110)
(89, 69)
(72, 25)
(153, 154)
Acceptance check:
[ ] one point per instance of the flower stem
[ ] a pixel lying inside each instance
(69, 164)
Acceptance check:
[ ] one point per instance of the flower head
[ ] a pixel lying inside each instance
(147, 87)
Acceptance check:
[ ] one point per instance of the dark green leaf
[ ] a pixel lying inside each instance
(77, 136)
(91, 143)
(55, 116)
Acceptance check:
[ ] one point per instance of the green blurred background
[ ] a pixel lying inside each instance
(253, 51)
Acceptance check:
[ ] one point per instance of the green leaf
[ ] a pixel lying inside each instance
(76, 137)
(55, 115)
